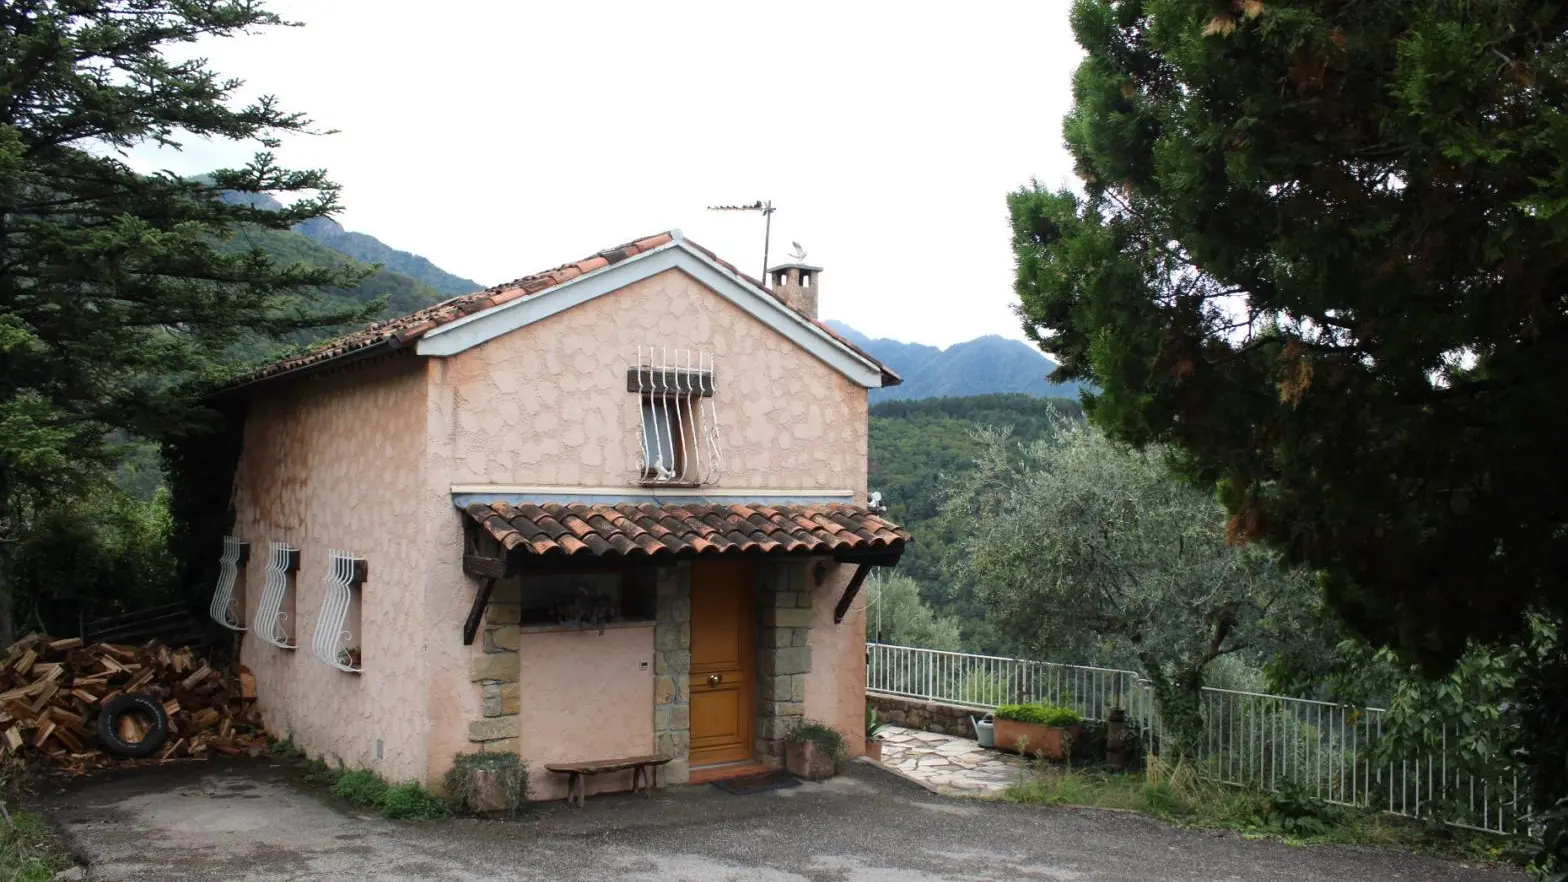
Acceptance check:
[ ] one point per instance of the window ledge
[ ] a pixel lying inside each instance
(573, 629)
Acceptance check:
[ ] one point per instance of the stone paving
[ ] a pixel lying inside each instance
(950, 765)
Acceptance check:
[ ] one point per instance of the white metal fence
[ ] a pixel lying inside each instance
(1250, 739)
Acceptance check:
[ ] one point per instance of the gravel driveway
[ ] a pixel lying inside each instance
(234, 821)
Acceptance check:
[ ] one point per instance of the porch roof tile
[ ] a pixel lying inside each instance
(630, 530)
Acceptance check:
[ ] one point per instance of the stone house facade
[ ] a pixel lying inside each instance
(612, 509)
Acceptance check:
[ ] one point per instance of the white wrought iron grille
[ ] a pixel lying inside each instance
(223, 609)
(335, 641)
(272, 620)
(678, 420)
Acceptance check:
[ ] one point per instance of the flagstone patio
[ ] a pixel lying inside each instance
(950, 765)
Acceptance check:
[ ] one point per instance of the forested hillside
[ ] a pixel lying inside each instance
(917, 448)
(368, 249)
(402, 294)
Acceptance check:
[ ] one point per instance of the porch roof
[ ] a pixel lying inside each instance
(649, 531)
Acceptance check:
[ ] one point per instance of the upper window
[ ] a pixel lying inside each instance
(678, 426)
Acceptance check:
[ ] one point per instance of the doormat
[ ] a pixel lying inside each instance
(758, 783)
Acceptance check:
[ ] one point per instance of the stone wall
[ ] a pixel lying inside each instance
(930, 716)
(672, 672)
(783, 656)
(497, 669)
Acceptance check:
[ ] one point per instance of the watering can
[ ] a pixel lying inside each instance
(985, 730)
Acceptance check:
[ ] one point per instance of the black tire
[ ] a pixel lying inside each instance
(142, 705)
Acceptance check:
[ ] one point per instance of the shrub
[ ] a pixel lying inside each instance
(285, 748)
(463, 781)
(410, 802)
(360, 786)
(822, 735)
(874, 724)
(1040, 714)
(400, 802)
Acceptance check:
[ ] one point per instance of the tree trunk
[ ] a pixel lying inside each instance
(1177, 697)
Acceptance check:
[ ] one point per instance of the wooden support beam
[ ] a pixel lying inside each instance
(850, 591)
(481, 600)
(484, 567)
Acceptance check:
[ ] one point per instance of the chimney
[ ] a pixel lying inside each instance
(797, 284)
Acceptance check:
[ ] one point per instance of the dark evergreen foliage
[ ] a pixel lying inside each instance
(120, 291)
(1321, 250)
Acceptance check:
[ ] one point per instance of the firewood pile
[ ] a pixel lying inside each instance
(52, 691)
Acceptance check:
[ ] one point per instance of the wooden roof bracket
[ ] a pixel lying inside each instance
(866, 562)
(483, 558)
(477, 612)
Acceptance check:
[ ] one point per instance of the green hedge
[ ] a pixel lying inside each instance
(1041, 714)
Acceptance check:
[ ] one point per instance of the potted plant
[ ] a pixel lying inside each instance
(1037, 728)
(812, 749)
(874, 729)
(349, 657)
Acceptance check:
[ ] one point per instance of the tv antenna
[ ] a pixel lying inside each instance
(766, 207)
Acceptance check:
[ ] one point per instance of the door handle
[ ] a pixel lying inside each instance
(714, 679)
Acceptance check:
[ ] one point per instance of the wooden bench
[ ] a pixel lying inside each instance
(643, 768)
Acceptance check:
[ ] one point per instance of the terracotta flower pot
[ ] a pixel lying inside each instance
(809, 760)
(1051, 742)
(874, 749)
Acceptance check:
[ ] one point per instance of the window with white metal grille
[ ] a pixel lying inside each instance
(337, 637)
(275, 614)
(678, 422)
(228, 600)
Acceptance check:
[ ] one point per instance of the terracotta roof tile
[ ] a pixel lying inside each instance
(404, 330)
(629, 530)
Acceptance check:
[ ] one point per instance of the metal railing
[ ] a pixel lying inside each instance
(1263, 741)
(985, 681)
(1250, 739)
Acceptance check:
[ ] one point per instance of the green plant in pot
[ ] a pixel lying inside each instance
(1042, 729)
(874, 729)
(812, 750)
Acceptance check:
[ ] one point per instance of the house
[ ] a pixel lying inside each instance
(611, 509)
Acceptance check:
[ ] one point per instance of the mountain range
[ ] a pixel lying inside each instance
(985, 365)
(982, 366)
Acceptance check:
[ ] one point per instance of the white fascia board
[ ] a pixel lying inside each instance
(473, 330)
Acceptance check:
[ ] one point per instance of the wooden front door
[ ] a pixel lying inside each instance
(723, 626)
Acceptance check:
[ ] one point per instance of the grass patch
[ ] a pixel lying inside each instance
(285, 748)
(406, 801)
(29, 851)
(1291, 815)
(410, 802)
(360, 787)
(1094, 789)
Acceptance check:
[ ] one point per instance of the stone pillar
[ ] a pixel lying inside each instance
(672, 672)
(783, 658)
(498, 670)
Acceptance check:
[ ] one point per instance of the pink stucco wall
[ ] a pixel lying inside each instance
(836, 685)
(363, 459)
(547, 404)
(335, 461)
(585, 696)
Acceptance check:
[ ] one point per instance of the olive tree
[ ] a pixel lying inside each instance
(1078, 541)
(896, 614)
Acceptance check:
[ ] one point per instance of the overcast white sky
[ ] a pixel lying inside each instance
(501, 138)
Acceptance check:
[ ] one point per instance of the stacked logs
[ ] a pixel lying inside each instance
(51, 692)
